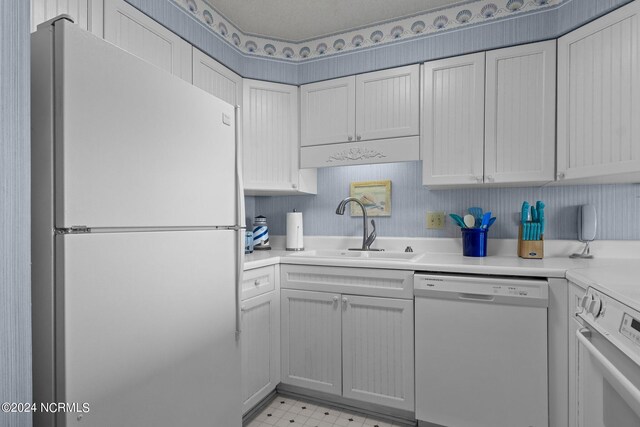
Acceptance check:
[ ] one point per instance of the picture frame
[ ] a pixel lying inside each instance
(374, 195)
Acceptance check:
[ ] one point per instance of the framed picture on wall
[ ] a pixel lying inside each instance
(374, 195)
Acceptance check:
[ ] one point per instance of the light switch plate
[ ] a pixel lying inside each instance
(435, 220)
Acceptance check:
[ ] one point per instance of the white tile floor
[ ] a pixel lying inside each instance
(288, 412)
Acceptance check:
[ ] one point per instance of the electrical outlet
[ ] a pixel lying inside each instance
(435, 220)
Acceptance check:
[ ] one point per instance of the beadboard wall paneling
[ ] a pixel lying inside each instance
(15, 259)
(547, 24)
(410, 201)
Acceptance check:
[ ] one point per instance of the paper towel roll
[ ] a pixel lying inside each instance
(294, 231)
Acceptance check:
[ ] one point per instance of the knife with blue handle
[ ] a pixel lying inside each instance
(524, 214)
(540, 207)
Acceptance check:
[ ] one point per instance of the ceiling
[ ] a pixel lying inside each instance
(299, 20)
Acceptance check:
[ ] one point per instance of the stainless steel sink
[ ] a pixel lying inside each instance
(364, 255)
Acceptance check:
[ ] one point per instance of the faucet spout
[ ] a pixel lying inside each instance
(366, 239)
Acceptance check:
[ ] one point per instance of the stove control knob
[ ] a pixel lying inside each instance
(584, 301)
(595, 306)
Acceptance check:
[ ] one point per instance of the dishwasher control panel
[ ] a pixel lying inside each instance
(487, 288)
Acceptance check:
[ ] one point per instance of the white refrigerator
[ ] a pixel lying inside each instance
(137, 240)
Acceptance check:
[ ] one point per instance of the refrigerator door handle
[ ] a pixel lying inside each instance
(240, 220)
(239, 274)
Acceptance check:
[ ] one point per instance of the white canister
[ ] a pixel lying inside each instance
(294, 231)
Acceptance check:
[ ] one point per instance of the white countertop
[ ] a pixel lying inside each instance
(614, 270)
(450, 263)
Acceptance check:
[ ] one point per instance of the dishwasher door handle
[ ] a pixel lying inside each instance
(476, 297)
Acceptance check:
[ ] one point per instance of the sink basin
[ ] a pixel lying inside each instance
(364, 255)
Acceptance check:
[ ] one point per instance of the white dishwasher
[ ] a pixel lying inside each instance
(481, 351)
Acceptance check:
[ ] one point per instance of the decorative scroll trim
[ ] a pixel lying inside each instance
(352, 154)
(459, 15)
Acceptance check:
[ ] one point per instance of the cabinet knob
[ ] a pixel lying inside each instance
(478, 179)
(350, 138)
(335, 299)
(358, 137)
(257, 282)
(490, 178)
(294, 185)
(243, 309)
(561, 175)
(345, 300)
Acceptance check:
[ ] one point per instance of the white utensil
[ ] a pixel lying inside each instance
(469, 221)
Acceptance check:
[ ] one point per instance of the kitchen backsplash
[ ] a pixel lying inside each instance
(616, 206)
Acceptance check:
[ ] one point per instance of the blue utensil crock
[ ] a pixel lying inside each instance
(474, 242)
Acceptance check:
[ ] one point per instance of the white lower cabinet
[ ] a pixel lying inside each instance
(260, 346)
(359, 347)
(311, 339)
(377, 351)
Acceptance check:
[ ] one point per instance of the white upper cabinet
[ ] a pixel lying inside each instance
(213, 77)
(453, 130)
(489, 118)
(520, 114)
(271, 141)
(328, 111)
(133, 31)
(369, 118)
(599, 99)
(86, 13)
(388, 103)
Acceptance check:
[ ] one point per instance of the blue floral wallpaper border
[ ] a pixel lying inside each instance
(428, 23)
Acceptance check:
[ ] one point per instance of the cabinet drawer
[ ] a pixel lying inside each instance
(258, 281)
(346, 280)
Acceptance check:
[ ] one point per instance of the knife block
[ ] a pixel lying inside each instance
(530, 249)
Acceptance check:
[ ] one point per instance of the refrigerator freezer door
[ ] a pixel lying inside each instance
(134, 145)
(146, 331)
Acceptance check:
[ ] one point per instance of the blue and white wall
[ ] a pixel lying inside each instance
(616, 206)
(15, 256)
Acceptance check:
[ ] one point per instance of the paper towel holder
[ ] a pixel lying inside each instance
(294, 238)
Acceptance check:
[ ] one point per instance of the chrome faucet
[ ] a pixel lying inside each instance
(367, 239)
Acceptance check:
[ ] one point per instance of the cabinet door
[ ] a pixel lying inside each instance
(133, 31)
(328, 111)
(453, 131)
(599, 97)
(388, 103)
(260, 348)
(520, 113)
(377, 346)
(215, 78)
(270, 136)
(311, 340)
(86, 13)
